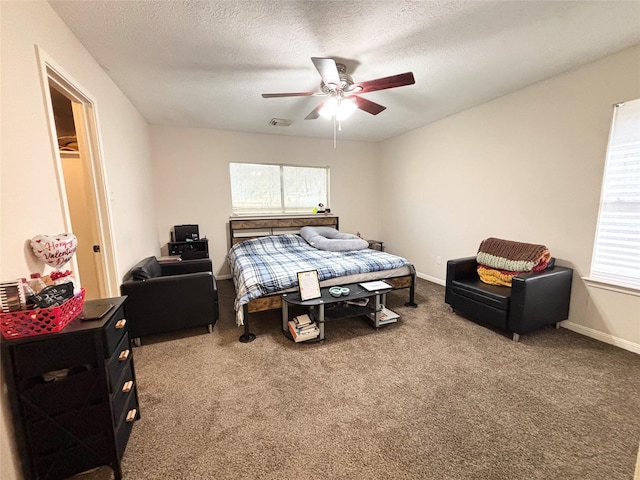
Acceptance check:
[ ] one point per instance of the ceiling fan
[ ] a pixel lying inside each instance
(343, 92)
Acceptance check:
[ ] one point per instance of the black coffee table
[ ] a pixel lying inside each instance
(320, 314)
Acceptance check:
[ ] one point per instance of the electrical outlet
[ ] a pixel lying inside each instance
(439, 260)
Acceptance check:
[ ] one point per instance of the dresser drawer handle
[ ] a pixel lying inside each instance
(131, 415)
(121, 323)
(124, 355)
(126, 388)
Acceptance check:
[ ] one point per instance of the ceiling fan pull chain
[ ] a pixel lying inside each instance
(335, 134)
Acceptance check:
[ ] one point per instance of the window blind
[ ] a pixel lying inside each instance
(616, 256)
(264, 189)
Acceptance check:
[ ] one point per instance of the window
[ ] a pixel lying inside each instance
(276, 189)
(616, 255)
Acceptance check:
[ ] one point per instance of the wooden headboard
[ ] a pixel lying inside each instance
(244, 228)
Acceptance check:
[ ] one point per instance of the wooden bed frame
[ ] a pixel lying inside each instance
(245, 228)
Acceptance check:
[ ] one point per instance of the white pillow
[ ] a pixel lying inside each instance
(328, 238)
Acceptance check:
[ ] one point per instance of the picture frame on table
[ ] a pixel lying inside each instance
(309, 285)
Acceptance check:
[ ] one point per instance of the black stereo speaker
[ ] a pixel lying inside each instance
(184, 233)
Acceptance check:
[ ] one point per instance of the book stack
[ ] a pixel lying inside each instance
(303, 328)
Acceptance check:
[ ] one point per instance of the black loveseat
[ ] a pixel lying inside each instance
(164, 297)
(535, 299)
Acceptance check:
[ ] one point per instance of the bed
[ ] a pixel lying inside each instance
(267, 253)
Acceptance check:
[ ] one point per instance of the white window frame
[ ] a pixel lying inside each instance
(282, 210)
(615, 264)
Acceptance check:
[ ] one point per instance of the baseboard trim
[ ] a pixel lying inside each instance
(603, 337)
(429, 278)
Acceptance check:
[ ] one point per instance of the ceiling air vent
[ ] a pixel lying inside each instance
(280, 122)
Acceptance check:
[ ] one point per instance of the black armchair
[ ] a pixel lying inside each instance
(164, 297)
(535, 299)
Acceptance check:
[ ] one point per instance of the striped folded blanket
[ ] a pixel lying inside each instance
(501, 260)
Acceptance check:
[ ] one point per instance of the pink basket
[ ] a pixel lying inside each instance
(26, 323)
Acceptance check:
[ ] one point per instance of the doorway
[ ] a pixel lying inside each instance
(79, 201)
(81, 181)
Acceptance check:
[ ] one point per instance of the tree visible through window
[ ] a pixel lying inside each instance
(274, 189)
(616, 256)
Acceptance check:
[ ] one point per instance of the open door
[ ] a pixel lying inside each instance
(81, 180)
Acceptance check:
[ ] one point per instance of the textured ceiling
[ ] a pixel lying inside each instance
(205, 63)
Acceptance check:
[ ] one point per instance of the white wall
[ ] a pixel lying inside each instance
(29, 200)
(30, 203)
(191, 175)
(525, 167)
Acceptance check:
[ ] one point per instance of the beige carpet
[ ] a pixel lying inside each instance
(434, 396)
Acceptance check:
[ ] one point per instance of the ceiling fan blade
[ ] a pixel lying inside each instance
(315, 113)
(328, 70)
(277, 95)
(393, 81)
(367, 105)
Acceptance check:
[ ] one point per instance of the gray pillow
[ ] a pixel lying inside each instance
(328, 238)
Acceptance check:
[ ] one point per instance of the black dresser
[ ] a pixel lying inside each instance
(190, 250)
(73, 395)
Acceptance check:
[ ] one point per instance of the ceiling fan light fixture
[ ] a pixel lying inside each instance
(341, 108)
(330, 108)
(346, 107)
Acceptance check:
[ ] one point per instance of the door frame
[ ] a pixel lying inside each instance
(89, 144)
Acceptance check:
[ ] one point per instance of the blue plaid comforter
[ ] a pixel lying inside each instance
(270, 264)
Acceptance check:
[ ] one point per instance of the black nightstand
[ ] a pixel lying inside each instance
(190, 250)
(376, 245)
